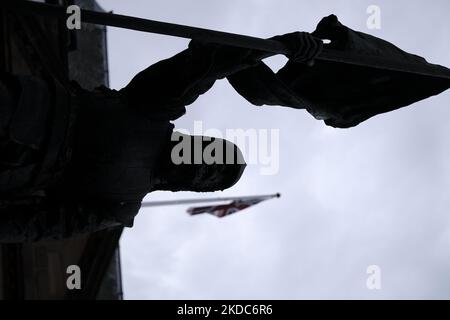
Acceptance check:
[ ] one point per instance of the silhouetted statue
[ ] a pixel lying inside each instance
(75, 161)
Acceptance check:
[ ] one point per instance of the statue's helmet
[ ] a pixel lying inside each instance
(200, 164)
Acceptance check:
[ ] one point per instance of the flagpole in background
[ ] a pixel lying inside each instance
(201, 200)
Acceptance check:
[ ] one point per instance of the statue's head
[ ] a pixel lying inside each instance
(200, 164)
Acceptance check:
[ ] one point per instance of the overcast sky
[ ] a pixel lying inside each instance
(376, 194)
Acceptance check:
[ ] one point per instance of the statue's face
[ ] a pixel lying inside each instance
(201, 164)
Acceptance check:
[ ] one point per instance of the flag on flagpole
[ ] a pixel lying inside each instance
(223, 210)
(357, 76)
